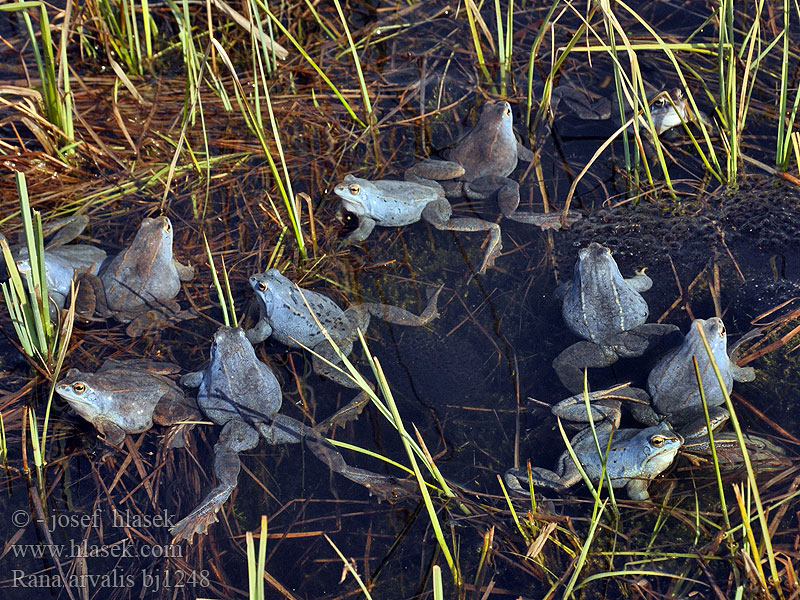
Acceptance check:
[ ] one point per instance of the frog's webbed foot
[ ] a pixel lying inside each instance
(517, 480)
(171, 410)
(494, 245)
(400, 316)
(555, 220)
(64, 230)
(569, 365)
(742, 374)
(237, 436)
(155, 318)
(91, 297)
(483, 188)
(604, 404)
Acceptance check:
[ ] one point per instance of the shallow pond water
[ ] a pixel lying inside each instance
(475, 382)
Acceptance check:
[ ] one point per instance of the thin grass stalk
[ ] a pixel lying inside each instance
(65, 334)
(537, 41)
(228, 293)
(601, 453)
(359, 73)
(349, 568)
(476, 39)
(767, 541)
(3, 442)
(584, 551)
(715, 460)
(311, 62)
(502, 57)
(781, 155)
(426, 497)
(438, 588)
(217, 286)
(511, 505)
(148, 30)
(751, 538)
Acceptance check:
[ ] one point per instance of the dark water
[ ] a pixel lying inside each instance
(459, 380)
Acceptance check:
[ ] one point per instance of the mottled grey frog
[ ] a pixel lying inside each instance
(241, 393)
(391, 203)
(635, 457)
(481, 163)
(139, 285)
(673, 385)
(286, 316)
(609, 313)
(128, 397)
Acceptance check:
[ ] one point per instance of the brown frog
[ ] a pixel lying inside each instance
(128, 397)
(481, 163)
(139, 285)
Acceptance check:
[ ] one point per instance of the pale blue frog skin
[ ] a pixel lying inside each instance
(635, 457)
(481, 163)
(391, 203)
(139, 285)
(609, 313)
(63, 262)
(241, 393)
(286, 316)
(128, 397)
(673, 385)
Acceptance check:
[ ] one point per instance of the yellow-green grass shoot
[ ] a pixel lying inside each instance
(253, 119)
(473, 14)
(350, 569)
(255, 563)
(362, 84)
(226, 299)
(3, 444)
(751, 478)
(57, 99)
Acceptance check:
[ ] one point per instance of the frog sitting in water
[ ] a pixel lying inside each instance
(140, 284)
(128, 397)
(635, 457)
(390, 203)
(673, 385)
(288, 313)
(481, 163)
(241, 393)
(609, 313)
(63, 262)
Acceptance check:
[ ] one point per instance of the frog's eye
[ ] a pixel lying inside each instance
(507, 111)
(657, 441)
(167, 226)
(354, 189)
(262, 286)
(79, 387)
(721, 329)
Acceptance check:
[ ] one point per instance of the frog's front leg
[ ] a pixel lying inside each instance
(113, 433)
(185, 272)
(260, 332)
(637, 489)
(171, 409)
(569, 365)
(641, 282)
(365, 226)
(237, 436)
(647, 338)
(438, 214)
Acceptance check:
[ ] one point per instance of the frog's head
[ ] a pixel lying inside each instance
(153, 240)
(270, 287)
(78, 391)
(661, 446)
(714, 330)
(596, 263)
(355, 194)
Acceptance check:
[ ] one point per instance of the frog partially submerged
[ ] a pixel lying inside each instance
(63, 262)
(635, 457)
(673, 385)
(390, 203)
(139, 285)
(128, 397)
(286, 316)
(609, 313)
(481, 163)
(241, 393)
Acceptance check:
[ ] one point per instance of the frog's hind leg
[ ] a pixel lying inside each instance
(438, 214)
(569, 365)
(333, 371)
(397, 315)
(284, 429)
(237, 436)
